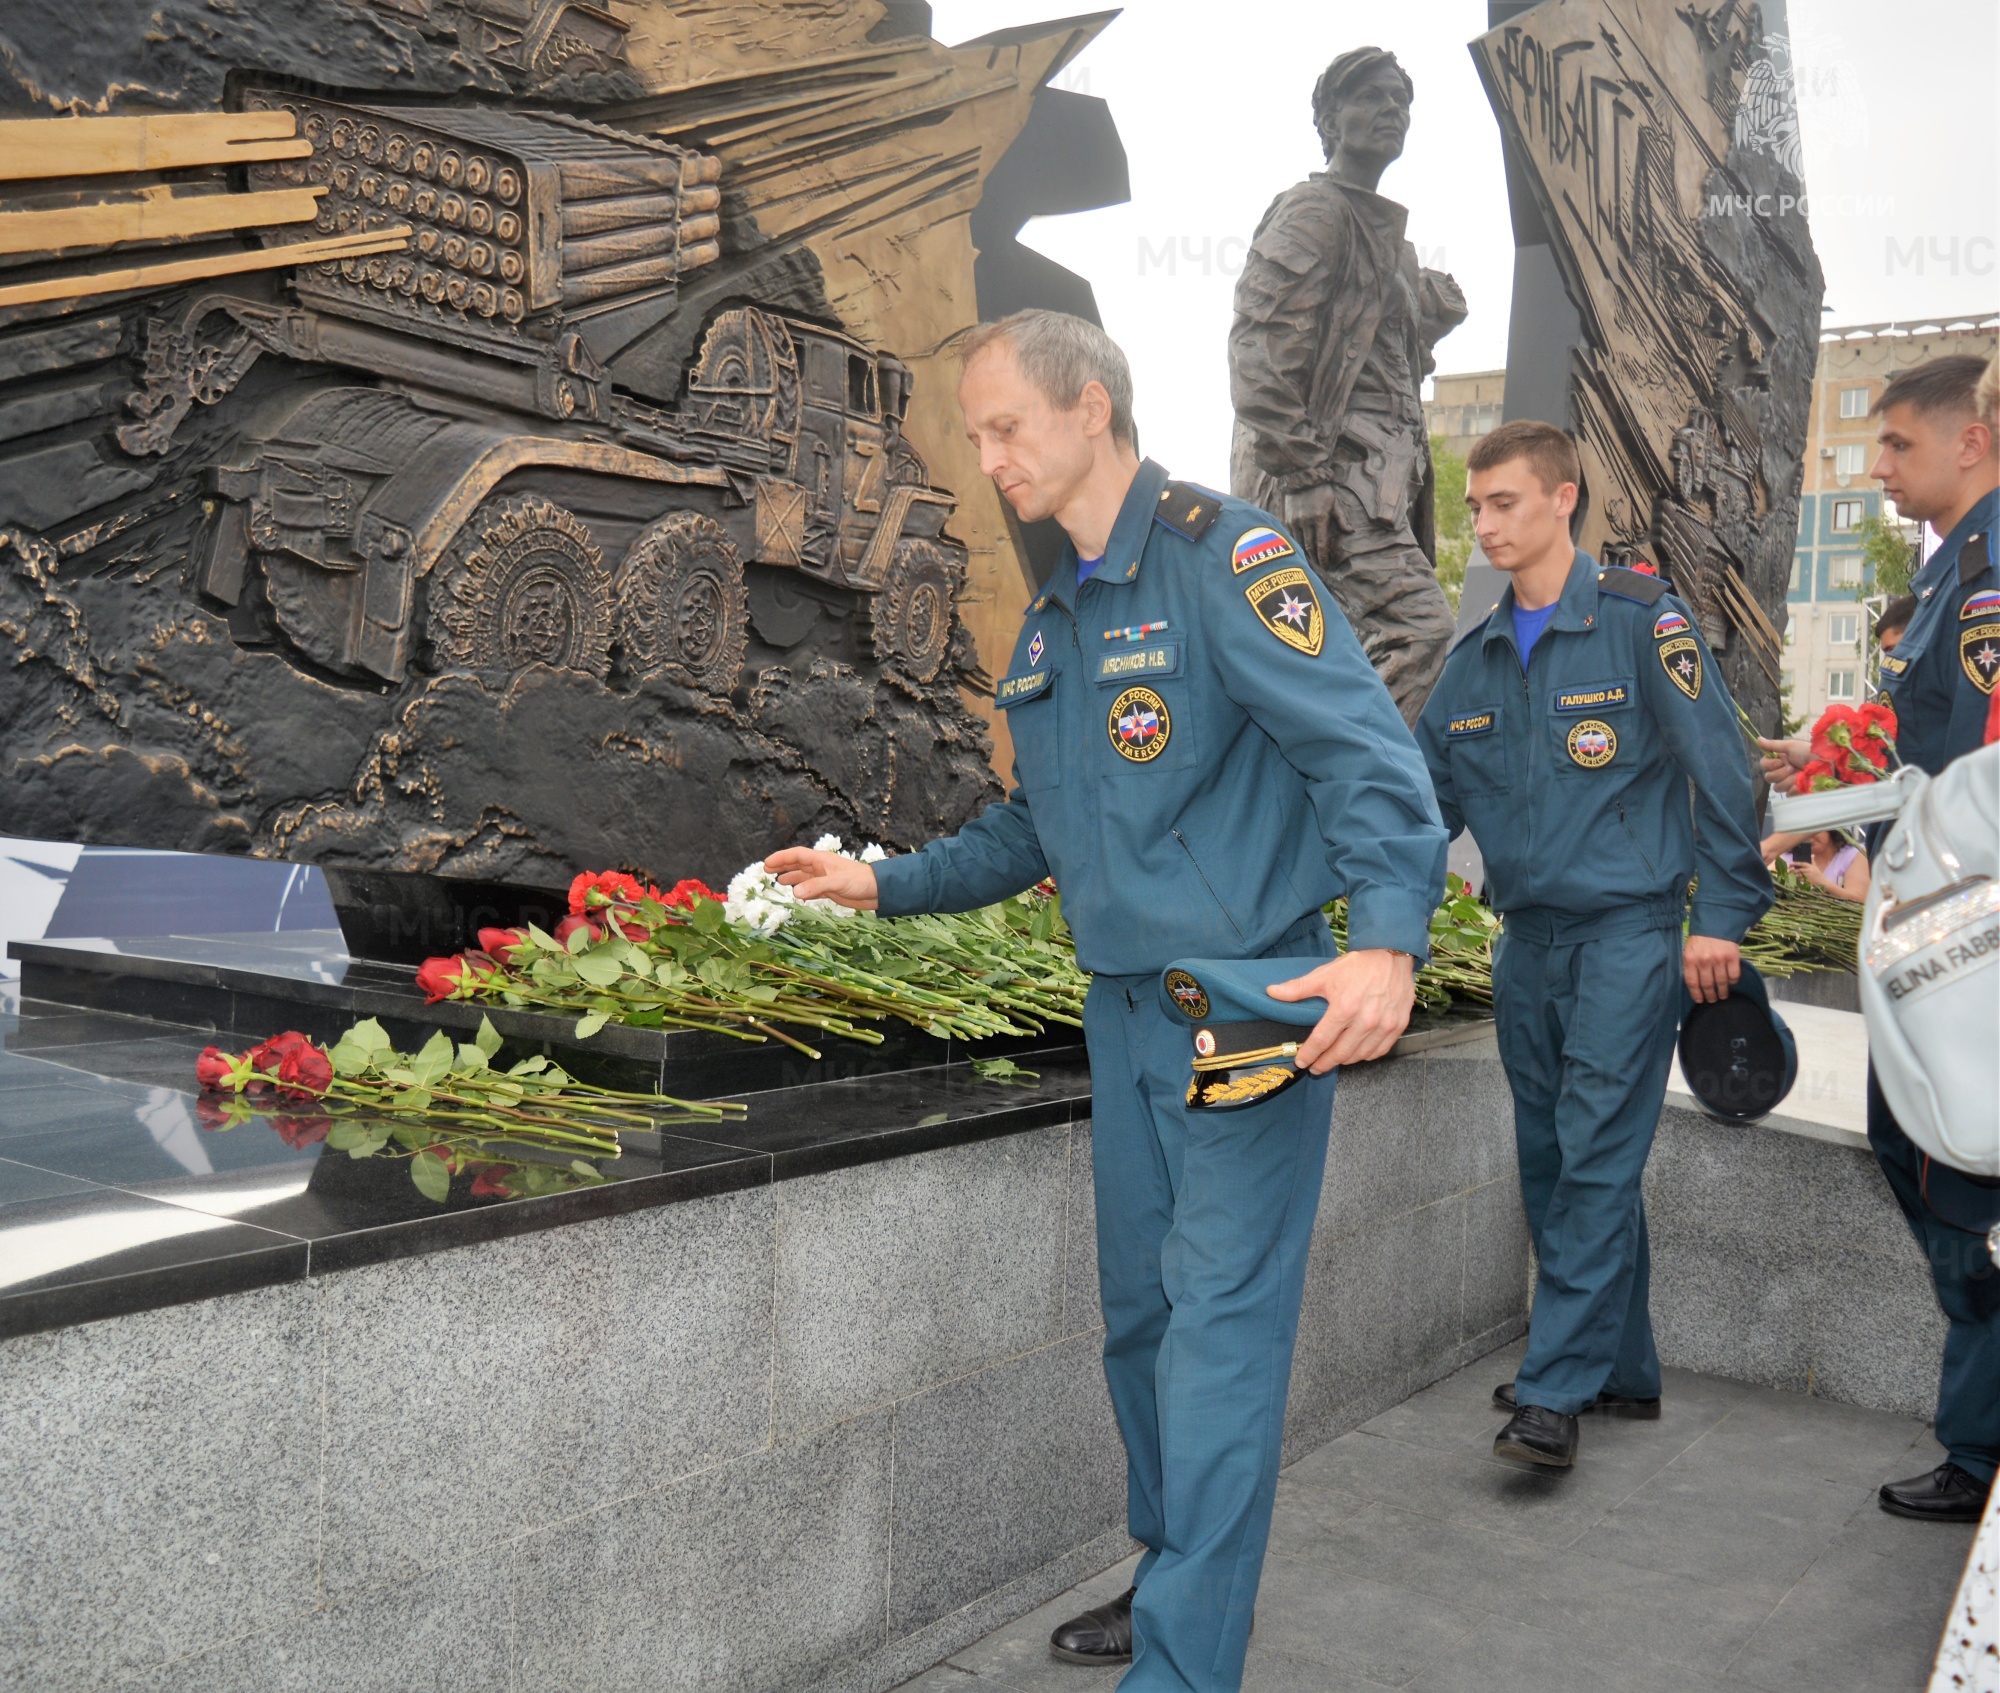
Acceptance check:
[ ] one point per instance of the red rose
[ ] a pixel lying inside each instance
(491, 1183)
(569, 926)
(305, 1073)
(497, 943)
(439, 978)
(213, 1113)
(301, 1130)
(212, 1069)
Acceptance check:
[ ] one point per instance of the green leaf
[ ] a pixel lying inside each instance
(433, 1061)
(488, 1038)
(589, 1025)
(470, 1060)
(671, 973)
(579, 938)
(417, 1099)
(432, 1176)
(600, 969)
(530, 1066)
(543, 940)
(708, 916)
(349, 1059)
(369, 1035)
(342, 1137)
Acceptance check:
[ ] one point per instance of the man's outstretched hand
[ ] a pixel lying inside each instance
(825, 875)
(1368, 997)
(1783, 760)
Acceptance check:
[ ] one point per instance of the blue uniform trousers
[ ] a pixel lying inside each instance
(1968, 1287)
(1586, 1010)
(1203, 1220)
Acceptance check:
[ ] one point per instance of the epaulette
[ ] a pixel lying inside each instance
(1633, 585)
(1972, 564)
(1188, 511)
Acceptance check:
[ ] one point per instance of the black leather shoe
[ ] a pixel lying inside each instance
(1947, 1494)
(1102, 1636)
(1537, 1435)
(1611, 1404)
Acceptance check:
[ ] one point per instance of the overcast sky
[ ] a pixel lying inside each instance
(1214, 102)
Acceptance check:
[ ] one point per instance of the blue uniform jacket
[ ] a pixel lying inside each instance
(1196, 788)
(1574, 777)
(1940, 677)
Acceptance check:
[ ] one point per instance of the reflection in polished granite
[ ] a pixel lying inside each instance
(115, 1196)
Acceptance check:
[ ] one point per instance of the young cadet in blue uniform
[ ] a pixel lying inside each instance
(1940, 464)
(1204, 757)
(1565, 734)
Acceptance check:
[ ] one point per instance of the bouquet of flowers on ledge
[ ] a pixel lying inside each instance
(529, 1129)
(757, 961)
(1849, 745)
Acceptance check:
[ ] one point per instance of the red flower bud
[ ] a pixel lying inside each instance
(212, 1068)
(497, 943)
(491, 1183)
(439, 978)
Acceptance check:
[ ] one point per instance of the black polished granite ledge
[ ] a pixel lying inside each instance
(249, 986)
(117, 1196)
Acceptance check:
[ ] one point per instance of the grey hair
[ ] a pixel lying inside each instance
(1060, 354)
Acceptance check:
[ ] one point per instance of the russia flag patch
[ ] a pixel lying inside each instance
(1258, 546)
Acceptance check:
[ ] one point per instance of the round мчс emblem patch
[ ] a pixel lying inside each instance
(1188, 994)
(1593, 744)
(1140, 725)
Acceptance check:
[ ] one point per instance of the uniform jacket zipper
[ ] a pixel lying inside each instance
(1205, 882)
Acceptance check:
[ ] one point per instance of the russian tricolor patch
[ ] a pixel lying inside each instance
(1669, 623)
(1258, 546)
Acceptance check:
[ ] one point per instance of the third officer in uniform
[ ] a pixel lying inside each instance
(1203, 758)
(1940, 462)
(1565, 733)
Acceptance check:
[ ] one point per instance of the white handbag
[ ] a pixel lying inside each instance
(1929, 963)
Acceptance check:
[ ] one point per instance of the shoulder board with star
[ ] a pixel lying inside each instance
(1975, 558)
(1632, 585)
(1188, 511)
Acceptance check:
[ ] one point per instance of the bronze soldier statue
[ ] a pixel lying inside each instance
(1335, 321)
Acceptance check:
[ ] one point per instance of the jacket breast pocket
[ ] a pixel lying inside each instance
(1028, 698)
(1591, 726)
(1477, 750)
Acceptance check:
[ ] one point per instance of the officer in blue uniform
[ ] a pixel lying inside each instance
(1939, 463)
(1566, 737)
(1203, 758)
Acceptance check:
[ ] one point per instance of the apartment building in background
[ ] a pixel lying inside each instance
(1463, 408)
(1829, 651)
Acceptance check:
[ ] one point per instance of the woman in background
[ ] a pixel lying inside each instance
(1835, 863)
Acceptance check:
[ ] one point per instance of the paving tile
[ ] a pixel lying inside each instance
(1502, 1656)
(1726, 1518)
(1857, 1622)
(1268, 1671)
(1816, 1437)
(1551, 1507)
(1384, 1632)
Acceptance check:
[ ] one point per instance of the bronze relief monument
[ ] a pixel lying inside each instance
(1335, 322)
(499, 440)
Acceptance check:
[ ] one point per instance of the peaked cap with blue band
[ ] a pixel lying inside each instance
(1245, 1042)
(1737, 1056)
